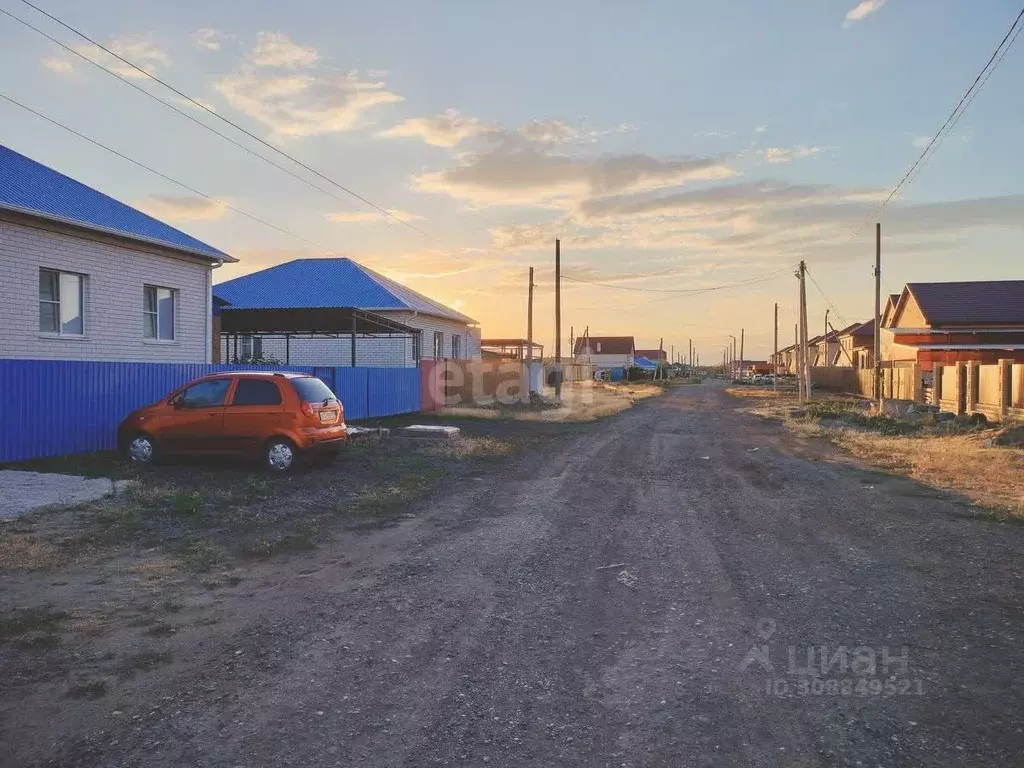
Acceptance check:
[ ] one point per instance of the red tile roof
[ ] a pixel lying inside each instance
(610, 345)
(980, 302)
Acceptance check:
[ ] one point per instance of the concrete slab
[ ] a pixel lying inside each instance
(21, 492)
(429, 431)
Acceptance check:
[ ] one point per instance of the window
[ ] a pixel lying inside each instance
(416, 342)
(61, 302)
(157, 313)
(256, 392)
(205, 394)
(599, 346)
(438, 345)
(456, 346)
(311, 390)
(252, 348)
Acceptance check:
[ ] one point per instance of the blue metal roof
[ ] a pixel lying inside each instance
(30, 187)
(326, 283)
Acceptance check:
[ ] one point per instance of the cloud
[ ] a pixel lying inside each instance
(208, 39)
(511, 174)
(366, 217)
(761, 129)
(549, 132)
(448, 129)
(862, 10)
(276, 49)
(921, 141)
(281, 86)
(776, 155)
(183, 209)
(60, 66)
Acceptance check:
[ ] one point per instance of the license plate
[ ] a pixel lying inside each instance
(328, 417)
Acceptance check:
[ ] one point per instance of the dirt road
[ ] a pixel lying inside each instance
(658, 590)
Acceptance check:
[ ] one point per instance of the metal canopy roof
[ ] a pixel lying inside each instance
(331, 320)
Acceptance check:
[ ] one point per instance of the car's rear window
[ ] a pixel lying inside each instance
(312, 390)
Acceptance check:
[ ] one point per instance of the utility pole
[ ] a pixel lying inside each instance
(529, 321)
(825, 338)
(690, 356)
(806, 372)
(572, 348)
(775, 354)
(742, 332)
(878, 316)
(558, 320)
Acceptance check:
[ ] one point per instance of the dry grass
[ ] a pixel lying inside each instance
(22, 552)
(464, 447)
(991, 477)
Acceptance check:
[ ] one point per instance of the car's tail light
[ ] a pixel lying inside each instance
(307, 409)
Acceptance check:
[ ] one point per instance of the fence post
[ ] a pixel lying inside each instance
(937, 385)
(1005, 387)
(971, 400)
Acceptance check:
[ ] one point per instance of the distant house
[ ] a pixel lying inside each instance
(755, 367)
(605, 352)
(856, 343)
(654, 355)
(337, 312)
(946, 322)
(85, 277)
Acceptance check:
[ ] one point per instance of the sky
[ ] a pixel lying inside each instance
(672, 146)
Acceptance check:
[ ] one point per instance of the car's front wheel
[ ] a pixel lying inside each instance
(279, 455)
(141, 449)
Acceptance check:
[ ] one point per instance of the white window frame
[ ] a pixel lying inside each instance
(456, 346)
(438, 345)
(62, 273)
(157, 339)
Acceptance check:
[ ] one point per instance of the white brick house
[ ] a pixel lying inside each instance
(305, 286)
(85, 277)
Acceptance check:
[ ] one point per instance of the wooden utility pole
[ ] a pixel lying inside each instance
(806, 372)
(558, 320)
(878, 317)
(572, 348)
(825, 338)
(775, 354)
(689, 357)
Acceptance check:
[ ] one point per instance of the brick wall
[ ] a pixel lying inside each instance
(114, 277)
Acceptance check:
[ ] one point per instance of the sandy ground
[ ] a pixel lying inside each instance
(680, 584)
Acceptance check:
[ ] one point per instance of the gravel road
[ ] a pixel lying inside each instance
(663, 588)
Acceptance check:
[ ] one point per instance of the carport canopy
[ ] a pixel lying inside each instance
(318, 320)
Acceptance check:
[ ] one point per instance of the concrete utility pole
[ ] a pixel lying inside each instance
(742, 333)
(690, 356)
(806, 371)
(529, 320)
(732, 358)
(558, 320)
(825, 338)
(878, 316)
(775, 354)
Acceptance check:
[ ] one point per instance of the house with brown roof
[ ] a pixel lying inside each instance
(605, 352)
(948, 322)
(856, 345)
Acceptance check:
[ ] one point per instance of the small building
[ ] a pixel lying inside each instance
(756, 367)
(956, 321)
(86, 277)
(511, 349)
(335, 311)
(605, 352)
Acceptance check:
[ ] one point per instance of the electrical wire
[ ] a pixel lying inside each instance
(828, 301)
(163, 176)
(207, 109)
(954, 117)
(686, 291)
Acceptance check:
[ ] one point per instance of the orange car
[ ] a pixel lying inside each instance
(275, 416)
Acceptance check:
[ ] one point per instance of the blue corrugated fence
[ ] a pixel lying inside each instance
(54, 407)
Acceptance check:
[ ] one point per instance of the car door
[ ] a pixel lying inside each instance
(197, 422)
(253, 413)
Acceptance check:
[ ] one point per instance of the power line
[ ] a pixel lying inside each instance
(164, 176)
(689, 291)
(828, 301)
(965, 101)
(217, 115)
(171, 107)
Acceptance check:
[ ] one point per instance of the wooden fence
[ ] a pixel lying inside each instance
(898, 383)
(996, 391)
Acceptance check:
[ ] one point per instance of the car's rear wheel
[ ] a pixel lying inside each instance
(141, 449)
(279, 455)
